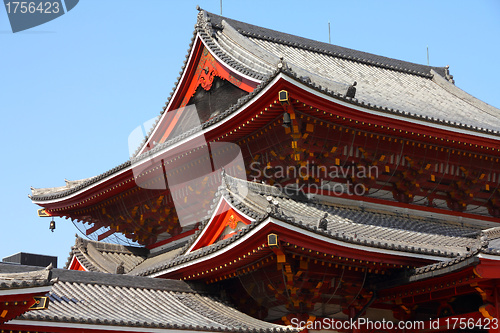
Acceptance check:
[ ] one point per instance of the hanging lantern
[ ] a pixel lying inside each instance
(52, 225)
(286, 120)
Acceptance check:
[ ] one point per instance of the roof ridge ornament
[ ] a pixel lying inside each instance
(485, 241)
(447, 75)
(120, 268)
(323, 222)
(282, 64)
(273, 207)
(351, 91)
(204, 22)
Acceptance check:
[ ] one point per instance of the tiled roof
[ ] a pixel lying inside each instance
(242, 101)
(50, 190)
(444, 267)
(106, 257)
(96, 299)
(470, 258)
(15, 280)
(384, 84)
(352, 225)
(430, 271)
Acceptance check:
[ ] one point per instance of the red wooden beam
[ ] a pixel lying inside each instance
(106, 234)
(94, 228)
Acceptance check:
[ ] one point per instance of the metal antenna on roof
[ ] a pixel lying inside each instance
(220, 7)
(427, 55)
(329, 35)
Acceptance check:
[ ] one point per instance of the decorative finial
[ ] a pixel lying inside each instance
(447, 74)
(323, 222)
(120, 269)
(351, 91)
(282, 63)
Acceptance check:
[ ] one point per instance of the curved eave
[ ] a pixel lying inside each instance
(461, 271)
(417, 123)
(294, 235)
(328, 49)
(200, 39)
(208, 129)
(218, 127)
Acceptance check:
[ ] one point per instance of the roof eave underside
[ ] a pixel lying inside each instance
(229, 41)
(206, 29)
(204, 33)
(437, 78)
(281, 72)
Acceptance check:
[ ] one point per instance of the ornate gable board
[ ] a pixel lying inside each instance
(202, 69)
(75, 265)
(225, 222)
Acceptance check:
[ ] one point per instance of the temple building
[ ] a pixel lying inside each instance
(286, 185)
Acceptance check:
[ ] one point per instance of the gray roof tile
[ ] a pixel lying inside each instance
(97, 299)
(409, 89)
(105, 257)
(376, 229)
(14, 280)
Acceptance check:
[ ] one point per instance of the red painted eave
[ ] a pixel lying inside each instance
(343, 112)
(246, 251)
(264, 108)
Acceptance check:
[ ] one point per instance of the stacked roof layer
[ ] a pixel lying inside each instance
(387, 86)
(98, 299)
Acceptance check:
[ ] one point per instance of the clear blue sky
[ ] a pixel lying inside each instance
(74, 88)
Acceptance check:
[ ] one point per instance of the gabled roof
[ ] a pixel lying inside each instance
(105, 257)
(384, 84)
(440, 269)
(99, 302)
(405, 88)
(14, 280)
(22, 292)
(348, 225)
(388, 87)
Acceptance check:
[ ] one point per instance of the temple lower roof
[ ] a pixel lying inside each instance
(402, 233)
(20, 280)
(99, 301)
(351, 225)
(105, 257)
